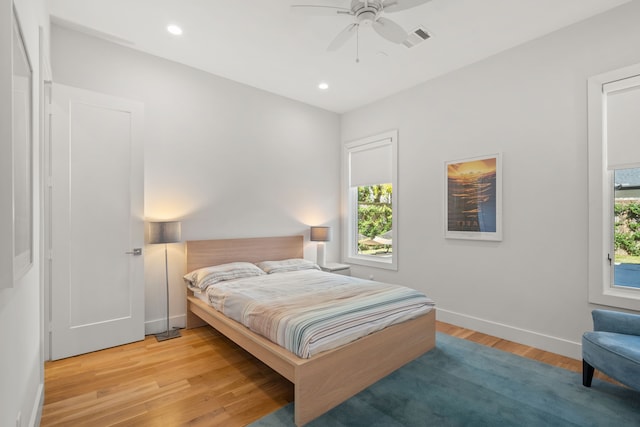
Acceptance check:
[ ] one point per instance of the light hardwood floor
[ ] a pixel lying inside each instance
(200, 379)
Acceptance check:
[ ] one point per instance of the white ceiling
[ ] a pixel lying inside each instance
(262, 43)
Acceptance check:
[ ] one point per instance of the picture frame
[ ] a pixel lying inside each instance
(473, 198)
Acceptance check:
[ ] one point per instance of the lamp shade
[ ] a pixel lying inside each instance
(164, 232)
(320, 234)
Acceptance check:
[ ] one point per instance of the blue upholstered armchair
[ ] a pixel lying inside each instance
(612, 348)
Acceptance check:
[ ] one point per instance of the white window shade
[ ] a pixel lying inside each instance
(373, 164)
(623, 123)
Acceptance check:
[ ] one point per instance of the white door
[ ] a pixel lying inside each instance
(97, 283)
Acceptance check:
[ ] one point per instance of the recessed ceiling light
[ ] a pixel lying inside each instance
(323, 85)
(174, 29)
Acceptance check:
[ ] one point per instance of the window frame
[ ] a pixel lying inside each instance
(350, 202)
(601, 199)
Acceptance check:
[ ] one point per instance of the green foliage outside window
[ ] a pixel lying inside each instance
(374, 210)
(627, 228)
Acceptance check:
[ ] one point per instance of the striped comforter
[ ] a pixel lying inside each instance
(311, 311)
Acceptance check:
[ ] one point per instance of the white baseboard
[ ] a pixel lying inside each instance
(160, 325)
(522, 336)
(511, 333)
(36, 412)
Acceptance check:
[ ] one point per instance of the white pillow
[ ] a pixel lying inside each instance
(204, 277)
(293, 264)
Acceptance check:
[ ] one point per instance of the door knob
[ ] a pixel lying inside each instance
(136, 251)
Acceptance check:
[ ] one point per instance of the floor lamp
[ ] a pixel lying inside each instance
(165, 232)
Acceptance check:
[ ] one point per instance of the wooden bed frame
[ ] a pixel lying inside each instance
(328, 378)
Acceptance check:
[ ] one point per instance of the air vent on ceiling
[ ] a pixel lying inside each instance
(416, 37)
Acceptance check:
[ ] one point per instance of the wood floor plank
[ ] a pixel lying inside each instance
(199, 379)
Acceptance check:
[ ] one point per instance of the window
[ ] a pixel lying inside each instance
(614, 188)
(626, 228)
(371, 200)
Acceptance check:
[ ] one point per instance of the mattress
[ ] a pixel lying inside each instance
(310, 311)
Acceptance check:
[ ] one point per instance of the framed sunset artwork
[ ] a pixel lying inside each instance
(473, 192)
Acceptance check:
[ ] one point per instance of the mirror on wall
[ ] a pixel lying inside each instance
(22, 146)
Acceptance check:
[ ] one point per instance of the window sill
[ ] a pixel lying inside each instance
(618, 297)
(372, 261)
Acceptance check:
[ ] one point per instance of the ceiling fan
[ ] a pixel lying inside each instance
(366, 13)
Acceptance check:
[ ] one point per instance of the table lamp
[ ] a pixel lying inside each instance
(321, 235)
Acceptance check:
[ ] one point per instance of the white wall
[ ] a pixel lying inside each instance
(231, 161)
(21, 357)
(530, 104)
(227, 159)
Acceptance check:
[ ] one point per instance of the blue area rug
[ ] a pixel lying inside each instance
(460, 383)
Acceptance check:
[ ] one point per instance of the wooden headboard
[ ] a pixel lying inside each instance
(205, 253)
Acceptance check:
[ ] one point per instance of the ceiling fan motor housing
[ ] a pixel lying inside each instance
(366, 17)
(366, 11)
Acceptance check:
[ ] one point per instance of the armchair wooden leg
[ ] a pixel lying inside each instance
(587, 373)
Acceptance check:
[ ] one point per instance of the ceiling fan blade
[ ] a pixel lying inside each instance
(342, 38)
(389, 30)
(398, 5)
(318, 10)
